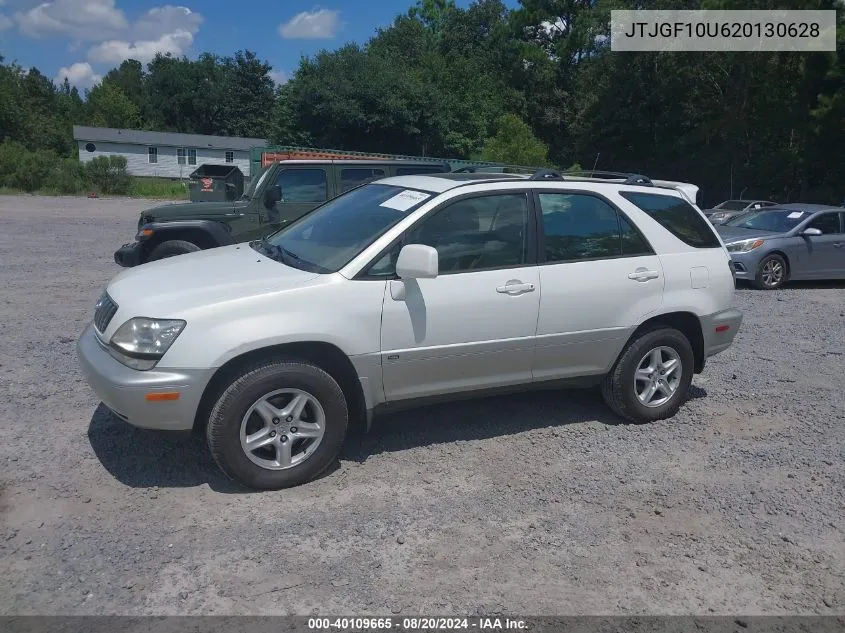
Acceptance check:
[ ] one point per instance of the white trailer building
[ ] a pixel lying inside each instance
(164, 154)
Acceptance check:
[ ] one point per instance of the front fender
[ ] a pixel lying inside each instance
(214, 232)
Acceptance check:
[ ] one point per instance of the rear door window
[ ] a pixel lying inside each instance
(677, 216)
(579, 226)
(354, 176)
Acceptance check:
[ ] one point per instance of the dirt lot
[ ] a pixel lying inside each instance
(539, 503)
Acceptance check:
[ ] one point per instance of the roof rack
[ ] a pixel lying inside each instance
(628, 179)
(546, 174)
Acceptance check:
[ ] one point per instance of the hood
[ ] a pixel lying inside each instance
(733, 234)
(194, 209)
(171, 287)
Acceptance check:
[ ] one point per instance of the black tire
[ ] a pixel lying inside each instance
(618, 386)
(772, 273)
(171, 248)
(224, 424)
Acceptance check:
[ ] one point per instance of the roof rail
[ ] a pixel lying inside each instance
(546, 174)
(628, 179)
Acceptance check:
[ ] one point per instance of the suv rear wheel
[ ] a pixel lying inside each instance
(651, 378)
(278, 424)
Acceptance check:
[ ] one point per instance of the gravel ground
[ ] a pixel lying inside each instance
(539, 503)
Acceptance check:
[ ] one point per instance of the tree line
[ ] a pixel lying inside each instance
(535, 85)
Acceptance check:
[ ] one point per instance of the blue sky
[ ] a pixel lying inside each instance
(83, 39)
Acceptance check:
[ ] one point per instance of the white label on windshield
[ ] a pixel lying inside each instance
(795, 215)
(405, 200)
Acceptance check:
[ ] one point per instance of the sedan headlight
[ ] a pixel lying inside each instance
(146, 339)
(744, 246)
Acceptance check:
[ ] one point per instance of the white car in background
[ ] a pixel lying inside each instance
(412, 289)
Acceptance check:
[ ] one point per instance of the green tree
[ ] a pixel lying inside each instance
(108, 106)
(248, 96)
(514, 143)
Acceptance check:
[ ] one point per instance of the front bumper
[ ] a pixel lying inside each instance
(129, 255)
(124, 390)
(719, 330)
(745, 264)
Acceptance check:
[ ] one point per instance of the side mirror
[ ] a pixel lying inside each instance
(811, 231)
(272, 195)
(417, 261)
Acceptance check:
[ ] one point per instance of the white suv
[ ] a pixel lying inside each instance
(412, 288)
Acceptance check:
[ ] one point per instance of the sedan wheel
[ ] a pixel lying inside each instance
(771, 273)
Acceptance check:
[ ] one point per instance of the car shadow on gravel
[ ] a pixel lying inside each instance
(141, 458)
(832, 284)
(485, 418)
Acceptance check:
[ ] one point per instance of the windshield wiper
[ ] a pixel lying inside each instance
(277, 253)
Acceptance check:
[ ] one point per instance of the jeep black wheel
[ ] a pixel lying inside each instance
(278, 424)
(171, 248)
(651, 378)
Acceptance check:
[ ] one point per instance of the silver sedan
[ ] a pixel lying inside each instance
(788, 242)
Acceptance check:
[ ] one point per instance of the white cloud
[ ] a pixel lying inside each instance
(167, 19)
(5, 21)
(82, 19)
(167, 29)
(79, 74)
(315, 24)
(161, 29)
(279, 77)
(115, 51)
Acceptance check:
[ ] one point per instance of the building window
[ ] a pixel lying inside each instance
(192, 157)
(90, 147)
(180, 155)
(230, 157)
(152, 154)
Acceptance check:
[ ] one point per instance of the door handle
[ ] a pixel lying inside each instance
(643, 274)
(515, 287)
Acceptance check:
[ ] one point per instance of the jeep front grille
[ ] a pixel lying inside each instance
(103, 312)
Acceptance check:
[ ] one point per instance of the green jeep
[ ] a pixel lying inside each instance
(281, 193)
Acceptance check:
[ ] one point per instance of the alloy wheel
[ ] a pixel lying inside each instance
(657, 376)
(282, 429)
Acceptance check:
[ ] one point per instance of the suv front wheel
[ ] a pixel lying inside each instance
(278, 424)
(651, 378)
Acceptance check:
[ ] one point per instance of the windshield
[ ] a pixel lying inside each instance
(733, 205)
(329, 237)
(779, 220)
(253, 186)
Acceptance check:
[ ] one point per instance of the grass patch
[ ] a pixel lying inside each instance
(162, 188)
(154, 188)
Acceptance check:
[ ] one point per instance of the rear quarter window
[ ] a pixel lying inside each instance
(677, 216)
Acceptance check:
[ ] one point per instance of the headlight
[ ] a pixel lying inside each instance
(146, 339)
(744, 246)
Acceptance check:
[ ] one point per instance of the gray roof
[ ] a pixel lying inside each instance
(801, 206)
(171, 139)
